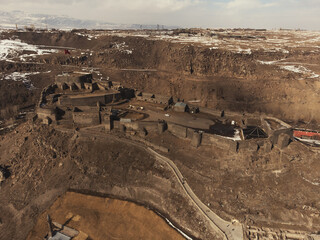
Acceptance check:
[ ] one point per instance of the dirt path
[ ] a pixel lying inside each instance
(228, 230)
(232, 231)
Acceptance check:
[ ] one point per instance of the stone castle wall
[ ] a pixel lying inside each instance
(89, 100)
(86, 118)
(177, 130)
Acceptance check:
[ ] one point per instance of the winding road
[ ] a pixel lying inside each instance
(231, 231)
(227, 230)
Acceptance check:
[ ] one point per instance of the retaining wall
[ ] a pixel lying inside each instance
(90, 100)
(177, 130)
(200, 138)
(276, 133)
(190, 133)
(131, 125)
(44, 113)
(86, 118)
(150, 144)
(211, 139)
(247, 145)
(149, 126)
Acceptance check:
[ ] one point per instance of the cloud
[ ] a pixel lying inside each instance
(185, 13)
(133, 5)
(248, 4)
(151, 5)
(118, 11)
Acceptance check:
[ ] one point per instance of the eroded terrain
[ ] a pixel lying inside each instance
(273, 192)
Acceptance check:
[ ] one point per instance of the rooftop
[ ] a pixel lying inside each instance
(59, 236)
(180, 104)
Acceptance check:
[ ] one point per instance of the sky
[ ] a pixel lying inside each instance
(270, 14)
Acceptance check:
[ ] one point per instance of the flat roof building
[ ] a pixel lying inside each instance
(180, 107)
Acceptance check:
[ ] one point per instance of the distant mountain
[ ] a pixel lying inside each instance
(22, 19)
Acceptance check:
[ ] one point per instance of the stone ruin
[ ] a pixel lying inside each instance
(76, 97)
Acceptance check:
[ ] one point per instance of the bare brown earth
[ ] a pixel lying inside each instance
(45, 163)
(279, 189)
(224, 75)
(104, 218)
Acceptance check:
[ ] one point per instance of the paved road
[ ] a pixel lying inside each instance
(227, 230)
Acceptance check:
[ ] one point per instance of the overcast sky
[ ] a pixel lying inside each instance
(304, 14)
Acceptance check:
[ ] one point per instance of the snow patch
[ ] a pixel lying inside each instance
(313, 183)
(285, 51)
(236, 136)
(174, 227)
(9, 127)
(267, 62)
(301, 70)
(244, 51)
(22, 77)
(312, 142)
(277, 172)
(11, 49)
(122, 47)
(88, 36)
(194, 101)
(295, 69)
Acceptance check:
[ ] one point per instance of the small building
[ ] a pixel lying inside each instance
(60, 232)
(180, 107)
(59, 236)
(153, 98)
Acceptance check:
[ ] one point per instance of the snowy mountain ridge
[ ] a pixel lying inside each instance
(22, 19)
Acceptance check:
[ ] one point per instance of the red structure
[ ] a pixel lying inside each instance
(66, 51)
(299, 133)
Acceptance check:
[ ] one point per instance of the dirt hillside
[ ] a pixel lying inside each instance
(221, 77)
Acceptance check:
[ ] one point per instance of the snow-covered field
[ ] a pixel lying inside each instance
(16, 50)
(244, 42)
